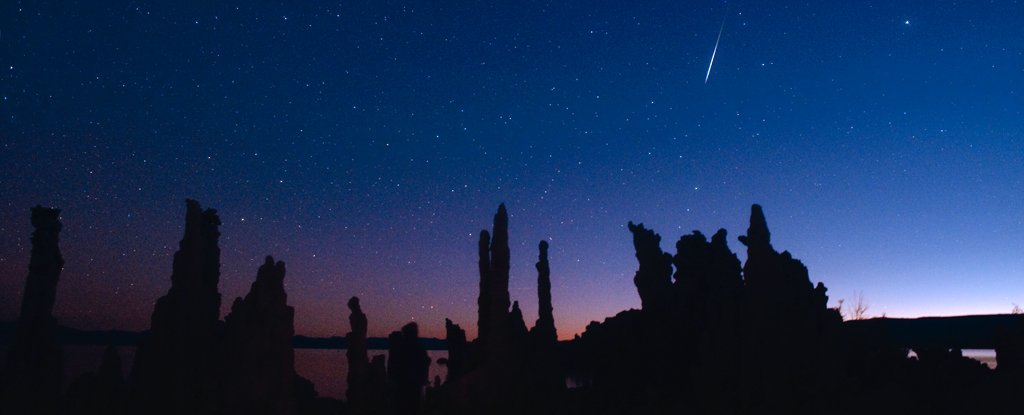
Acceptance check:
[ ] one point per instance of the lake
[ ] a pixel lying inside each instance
(326, 368)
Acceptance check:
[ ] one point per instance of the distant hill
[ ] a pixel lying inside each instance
(963, 332)
(72, 336)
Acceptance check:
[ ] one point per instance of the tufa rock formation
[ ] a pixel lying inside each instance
(367, 380)
(356, 353)
(457, 350)
(508, 368)
(259, 361)
(494, 299)
(653, 279)
(408, 366)
(176, 366)
(713, 341)
(708, 314)
(31, 382)
(544, 328)
(546, 375)
(791, 337)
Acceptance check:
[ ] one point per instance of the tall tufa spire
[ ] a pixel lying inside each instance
(545, 326)
(31, 383)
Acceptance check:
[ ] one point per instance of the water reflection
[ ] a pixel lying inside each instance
(326, 368)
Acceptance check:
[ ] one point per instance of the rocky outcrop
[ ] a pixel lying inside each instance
(516, 325)
(32, 377)
(259, 361)
(708, 281)
(176, 366)
(367, 380)
(719, 338)
(508, 368)
(544, 329)
(791, 335)
(708, 317)
(494, 299)
(546, 371)
(408, 366)
(458, 350)
(653, 279)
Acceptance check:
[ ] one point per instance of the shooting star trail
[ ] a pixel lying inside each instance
(713, 53)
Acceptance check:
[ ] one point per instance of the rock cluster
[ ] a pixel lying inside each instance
(713, 336)
(508, 368)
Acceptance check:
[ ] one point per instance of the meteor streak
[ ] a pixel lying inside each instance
(713, 53)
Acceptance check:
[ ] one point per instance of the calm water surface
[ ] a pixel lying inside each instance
(326, 368)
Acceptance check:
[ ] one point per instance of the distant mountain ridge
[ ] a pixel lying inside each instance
(980, 331)
(69, 335)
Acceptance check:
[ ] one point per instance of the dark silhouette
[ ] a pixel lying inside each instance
(494, 270)
(547, 377)
(457, 350)
(712, 336)
(794, 359)
(407, 370)
(175, 369)
(356, 353)
(713, 339)
(544, 328)
(508, 368)
(259, 362)
(366, 380)
(98, 393)
(654, 278)
(31, 380)
(192, 363)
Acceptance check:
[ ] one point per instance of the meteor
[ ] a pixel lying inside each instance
(713, 53)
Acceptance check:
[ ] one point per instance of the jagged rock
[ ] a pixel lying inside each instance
(777, 283)
(544, 328)
(499, 274)
(457, 350)
(708, 286)
(516, 325)
(547, 377)
(176, 367)
(653, 279)
(259, 361)
(492, 343)
(708, 281)
(758, 236)
(32, 377)
(495, 344)
(791, 334)
(408, 366)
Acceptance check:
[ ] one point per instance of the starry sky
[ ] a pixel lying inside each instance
(367, 143)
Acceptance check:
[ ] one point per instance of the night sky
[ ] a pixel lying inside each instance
(366, 144)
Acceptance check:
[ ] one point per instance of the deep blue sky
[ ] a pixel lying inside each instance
(367, 143)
